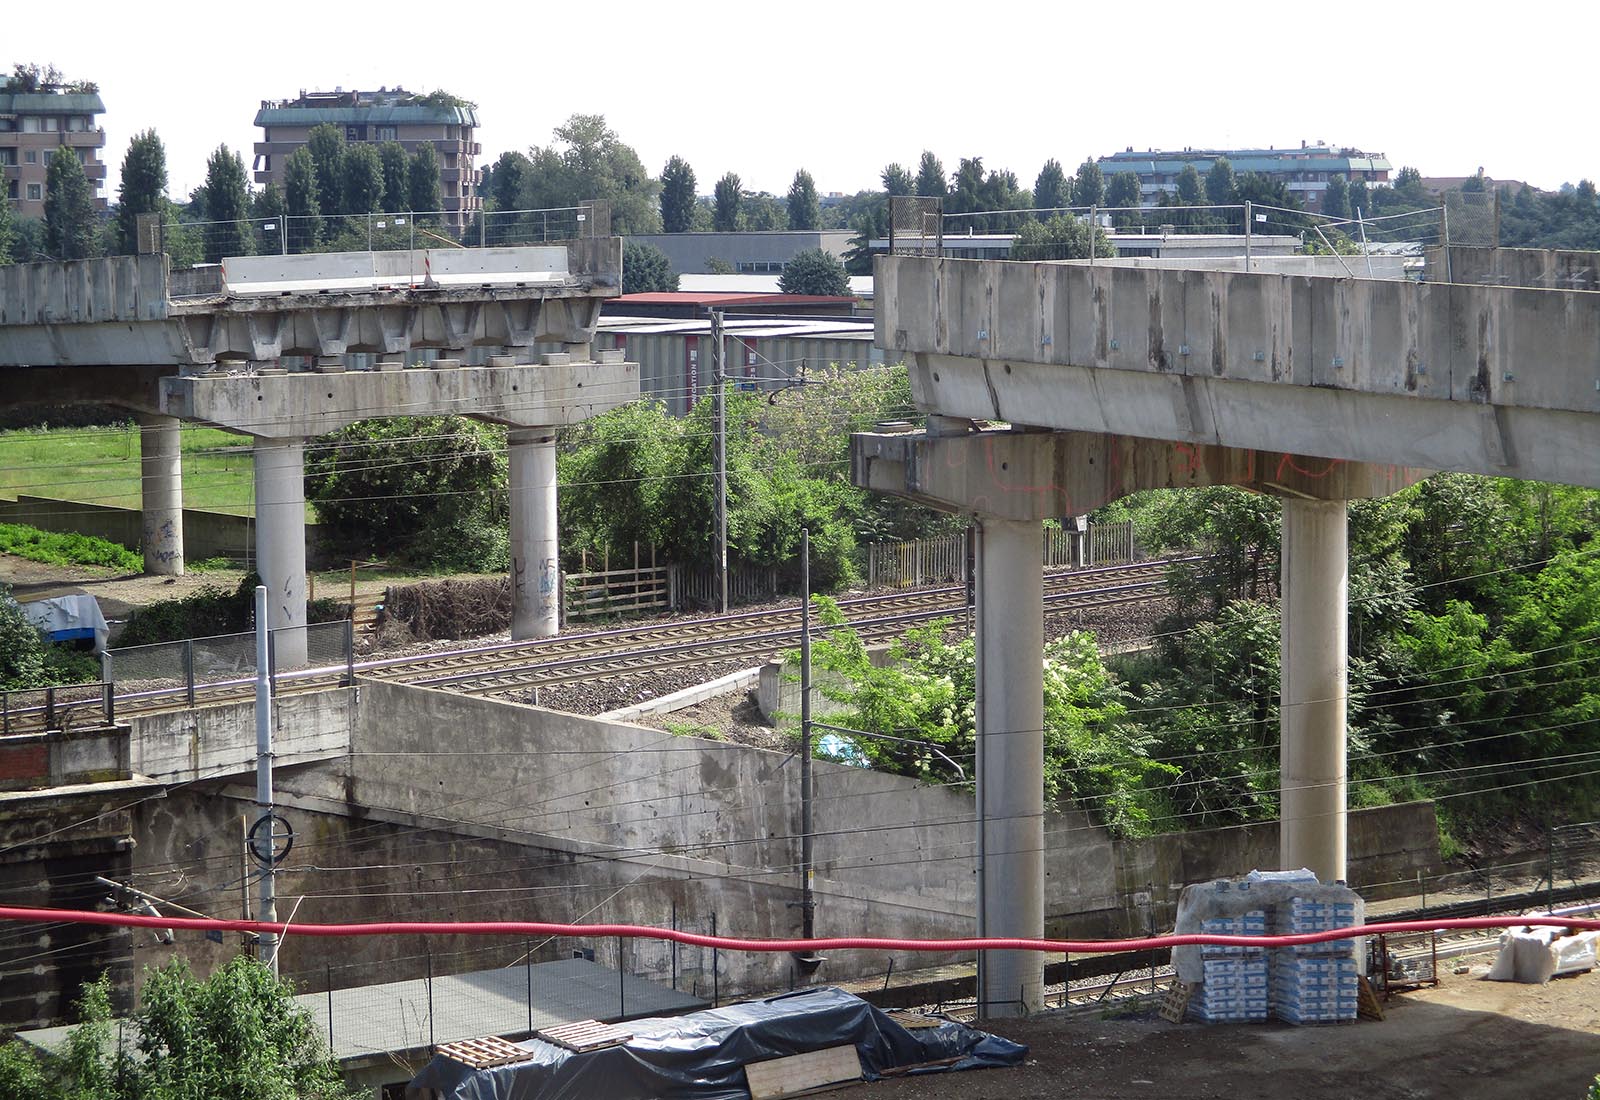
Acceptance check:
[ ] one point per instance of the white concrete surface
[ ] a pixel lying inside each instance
(535, 554)
(161, 494)
(281, 544)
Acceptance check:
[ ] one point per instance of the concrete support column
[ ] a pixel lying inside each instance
(281, 544)
(1316, 580)
(535, 558)
(1010, 765)
(161, 494)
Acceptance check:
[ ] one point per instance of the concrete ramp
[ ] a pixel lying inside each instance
(406, 269)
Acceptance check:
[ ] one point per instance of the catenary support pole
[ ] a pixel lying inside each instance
(718, 346)
(161, 494)
(266, 942)
(1312, 711)
(535, 557)
(1010, 601)
(808, 900)
(281, 544)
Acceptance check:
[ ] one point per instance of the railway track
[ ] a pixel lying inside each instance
(513, 669)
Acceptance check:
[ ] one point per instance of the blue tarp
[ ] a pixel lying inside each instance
(702, 1055)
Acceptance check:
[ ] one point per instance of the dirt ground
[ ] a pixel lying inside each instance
(1466, 1038)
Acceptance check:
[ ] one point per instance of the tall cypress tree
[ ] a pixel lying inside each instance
(677, 196)
(69, 214)
(326, 143)
(396, 179)
(423, 173)
(227, 200)
(300, 200)
(804, 213)
(144, 187)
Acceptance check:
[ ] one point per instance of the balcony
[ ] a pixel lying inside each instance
(82, 139)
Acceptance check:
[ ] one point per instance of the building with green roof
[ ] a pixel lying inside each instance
(43, 122)
(1304, 171)
(388, 114)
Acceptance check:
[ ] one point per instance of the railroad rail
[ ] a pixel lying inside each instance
(514, 669)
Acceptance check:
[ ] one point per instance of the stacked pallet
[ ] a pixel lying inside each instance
(1315, 982)
(1236, 976)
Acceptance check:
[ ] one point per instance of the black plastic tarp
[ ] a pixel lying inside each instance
(701, 1056)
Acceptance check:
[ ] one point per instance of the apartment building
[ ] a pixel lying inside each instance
(389, 114)
(1305, 171)
(40, 124)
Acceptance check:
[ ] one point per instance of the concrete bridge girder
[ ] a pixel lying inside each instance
(1030, 476)
(1490, 380)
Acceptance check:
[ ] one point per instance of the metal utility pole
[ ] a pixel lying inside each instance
(267, 942)
(718, 347)
(1249, 216)
(808, 902)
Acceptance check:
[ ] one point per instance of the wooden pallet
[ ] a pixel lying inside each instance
(484, 1053)
(1175, 1002)
(803, 1073)
(585, 1035)
(913, 1021)
(1367, 1005)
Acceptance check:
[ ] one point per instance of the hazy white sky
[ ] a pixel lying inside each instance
(762, 89)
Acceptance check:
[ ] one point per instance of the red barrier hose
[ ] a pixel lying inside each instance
(728, 943)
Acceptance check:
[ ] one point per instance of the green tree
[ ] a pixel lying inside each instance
(589, 161)
(677, 196)
(726, 200)
(814, 271)
(1123, 196)
(1357, 198)
(966, 192)
(422, 179)
(645, 268)
(763, 210)
(8, 232)
(268, 209)
(1050, 189)
(69, 214)
(227, 203)
(22, 648)
(930, 177)
(301, 204)
(1063, 237)
(1220, 183)
(327, 148)
(1088, 186)
(803, 209)
(1408, 185)
(1336, 199)
(510, 176)
(362, 185)
(143, 189)
(1191, 192)
(442, 506)
(897, 180)
(396, 177)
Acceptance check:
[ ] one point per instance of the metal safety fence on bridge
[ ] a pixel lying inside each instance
(178, 670)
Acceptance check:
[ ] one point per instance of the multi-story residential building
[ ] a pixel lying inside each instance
(40, 124)
(1305, 171)
(389, 114)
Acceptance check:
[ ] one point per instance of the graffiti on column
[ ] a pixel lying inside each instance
(547, 582)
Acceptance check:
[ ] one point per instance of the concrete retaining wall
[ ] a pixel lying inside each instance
(207, 742)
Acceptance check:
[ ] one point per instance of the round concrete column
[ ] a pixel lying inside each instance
(281, 544)
(1010, 719)
(535, 560)
(1316, 581)
(161, 494)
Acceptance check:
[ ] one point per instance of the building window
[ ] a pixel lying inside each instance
(352, 133)
(385, 133)
(31, 156)
(35, 191)
(8, 156)
(30, 125)
(49, 155)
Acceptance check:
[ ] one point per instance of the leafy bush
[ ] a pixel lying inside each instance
(209, 611)
(28, 659)
(66, 548)
(430, 492)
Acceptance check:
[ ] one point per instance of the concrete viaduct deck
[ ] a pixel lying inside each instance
(262, 346)
(1054, 388)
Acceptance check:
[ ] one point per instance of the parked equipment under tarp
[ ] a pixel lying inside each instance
(69, 618)
(702, 1055)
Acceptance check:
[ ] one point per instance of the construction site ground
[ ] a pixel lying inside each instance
(1467, 1038)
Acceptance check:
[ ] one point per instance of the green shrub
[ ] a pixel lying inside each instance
(66, 548)
(209, 611)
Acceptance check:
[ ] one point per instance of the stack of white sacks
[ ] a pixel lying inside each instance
(1314, 982)
(1235, 986)
(1310, 983)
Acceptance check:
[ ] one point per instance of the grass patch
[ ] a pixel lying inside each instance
(66, 548)
(101, 466)
(210, 565)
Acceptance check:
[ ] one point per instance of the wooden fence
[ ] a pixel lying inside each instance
(607, 591)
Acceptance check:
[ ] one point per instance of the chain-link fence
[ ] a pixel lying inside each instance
(193, 243)
(1472, 218)
(184, 669)
(916, 225)
(57, 709)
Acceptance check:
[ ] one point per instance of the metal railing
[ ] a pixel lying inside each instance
(57, 708)
(944, 558)
(195, 243)
(181, 669)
